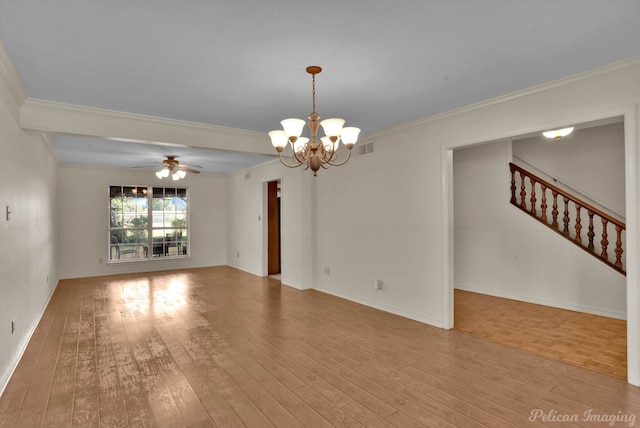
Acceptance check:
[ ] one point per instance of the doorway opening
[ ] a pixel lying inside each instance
(471, 294)
(274, 251)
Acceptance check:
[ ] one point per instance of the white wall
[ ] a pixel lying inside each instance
(246, 228)
(378, 217)
(500, 250)
(589, 160)
(83, 219)
(388, 215)
(28, 272)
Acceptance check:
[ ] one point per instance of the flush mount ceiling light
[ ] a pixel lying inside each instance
(313, 153)
(558, 133)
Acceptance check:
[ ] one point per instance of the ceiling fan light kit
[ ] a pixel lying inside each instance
(311, 153)
(175, 169)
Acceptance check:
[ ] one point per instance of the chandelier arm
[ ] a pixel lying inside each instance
(330, 158)
(341, 163)
(304, 155)
(287, 165)
(322, 154)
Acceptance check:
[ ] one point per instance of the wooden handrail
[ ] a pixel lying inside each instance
(568, 195)
(563, 228)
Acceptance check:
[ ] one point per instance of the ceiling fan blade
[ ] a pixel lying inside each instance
(172, 163)
(188, 169)
(152, 165)
(189, 166)
(183, 165)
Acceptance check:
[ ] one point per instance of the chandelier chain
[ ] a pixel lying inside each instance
(313, 92)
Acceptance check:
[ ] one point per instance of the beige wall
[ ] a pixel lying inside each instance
(83, 218)
(28, 262)
(247, 243)
(378, 217)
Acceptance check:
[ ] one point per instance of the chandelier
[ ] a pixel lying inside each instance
(312, 153)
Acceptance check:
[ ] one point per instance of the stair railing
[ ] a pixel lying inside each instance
(534, 201)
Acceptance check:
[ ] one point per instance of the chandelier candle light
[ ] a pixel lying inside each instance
(313, 153)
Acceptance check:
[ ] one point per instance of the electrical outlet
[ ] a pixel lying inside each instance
(377, 284)
(238, 254)
(327, 271)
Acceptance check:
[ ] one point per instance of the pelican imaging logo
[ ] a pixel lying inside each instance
(588, 416)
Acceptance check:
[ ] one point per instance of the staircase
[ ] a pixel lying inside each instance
(536, 195)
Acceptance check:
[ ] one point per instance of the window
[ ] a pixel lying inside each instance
(147, 222)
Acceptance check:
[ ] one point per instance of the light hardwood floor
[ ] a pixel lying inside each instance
(585, 340)
(220, 347)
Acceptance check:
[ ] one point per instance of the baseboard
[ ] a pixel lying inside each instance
(283, 280)
(6, 376)
(435, 322)
(252, 272)
(544, 302)
(293, 284)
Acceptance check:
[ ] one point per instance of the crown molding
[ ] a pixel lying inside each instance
(10, 77)
(627, 66)
(71, 119)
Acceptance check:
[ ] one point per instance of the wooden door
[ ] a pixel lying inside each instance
(273, 212)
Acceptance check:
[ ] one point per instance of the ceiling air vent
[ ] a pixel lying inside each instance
(365, 149)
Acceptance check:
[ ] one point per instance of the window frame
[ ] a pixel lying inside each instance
(148, 240)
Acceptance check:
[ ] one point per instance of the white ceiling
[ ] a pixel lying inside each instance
(241, 64)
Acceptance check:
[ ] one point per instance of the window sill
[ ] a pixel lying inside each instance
(149, 259)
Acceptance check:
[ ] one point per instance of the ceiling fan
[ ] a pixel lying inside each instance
(175, 169)
(172, 163)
